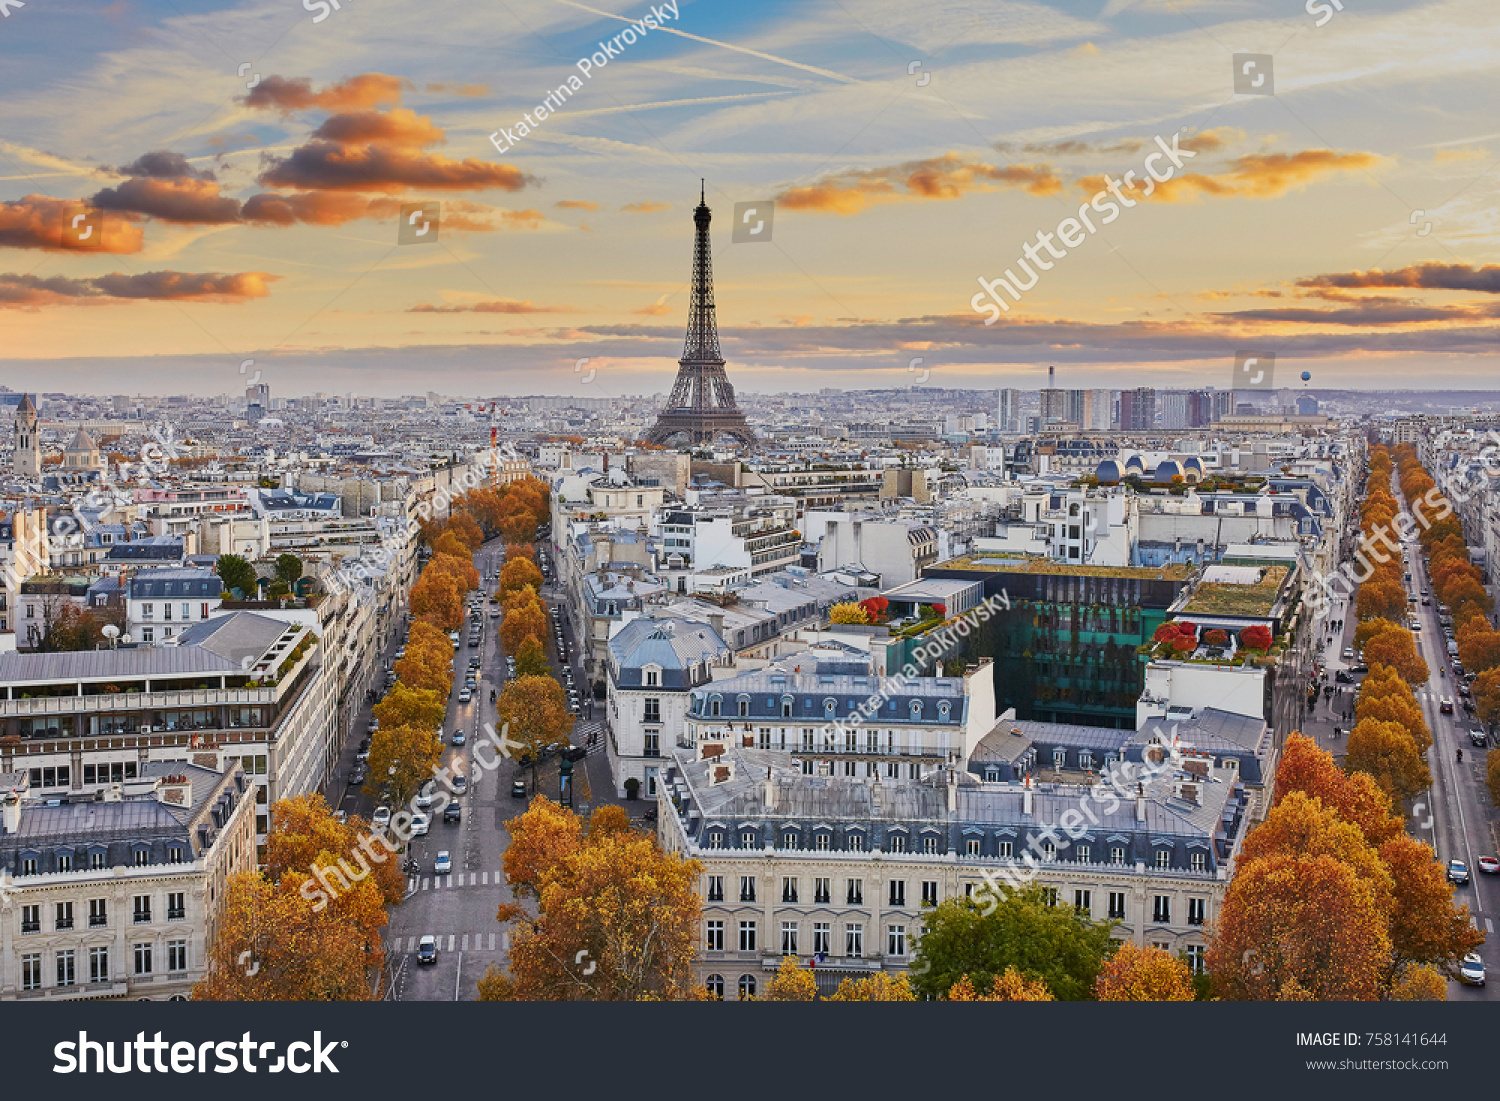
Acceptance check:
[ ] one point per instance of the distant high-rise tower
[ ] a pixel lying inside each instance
(257, 401)
(701, 406)
(1138, 409)
(1008, 411)
(28, 455)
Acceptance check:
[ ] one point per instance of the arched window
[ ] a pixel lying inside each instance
(828, 706)
(715, 986)
(715, 705)
(747, 986)
(744, 702)
(943, 709)
(916, 709)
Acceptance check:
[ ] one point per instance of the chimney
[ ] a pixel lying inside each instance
(770, 791)
(12, 812)
(952, 790)
(1026, 800)
(1140, 802)
(175, 790)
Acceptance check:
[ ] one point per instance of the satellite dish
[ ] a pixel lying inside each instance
(109, 630)
(127, 639)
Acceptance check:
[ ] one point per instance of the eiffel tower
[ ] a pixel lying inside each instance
(702, 405)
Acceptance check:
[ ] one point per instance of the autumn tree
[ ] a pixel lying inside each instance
(1308, 920)
(304, 828)
(848, 612)
(1135, 974)
(1479, 648)
(1310, 769)
(791, 983)
(428, 663)
(879, 987)
(1056, 944)
(1420, 984)
(531, 659)
(524, 620)
(1383, 599)
(272, 946)
(1487, 697)
(1303, 827)
(517, 574)
(534, 713)
(404, 756)
(1397, 708)
(1397, 648)
(407, 706)
(436, 599)
(1369, 628)
(1388, 753)
(1426, 927)
(460, 568)
(1009, 986)
(607, 897)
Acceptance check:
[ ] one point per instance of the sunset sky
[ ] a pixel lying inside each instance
(1347, 223)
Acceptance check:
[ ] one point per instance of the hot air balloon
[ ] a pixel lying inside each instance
(1306, 376)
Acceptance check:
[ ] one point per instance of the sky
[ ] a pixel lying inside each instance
(243, 167)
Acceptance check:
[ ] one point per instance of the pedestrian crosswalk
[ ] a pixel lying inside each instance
(454, 880)
(454, 942)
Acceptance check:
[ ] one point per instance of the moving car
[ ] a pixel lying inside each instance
(1471, 971)
(425, 794)
(464, 695)
(443, 864)
(1458, 871)
(1427, 600)
(427, 949)
(1348, 654)
(419, 824)
(1489, 865)
(458, 738)
(1446, 707)
(1342, 677)
(453, 812)
(382, 816)
(575, 753)
(357, 777)
(518, 789)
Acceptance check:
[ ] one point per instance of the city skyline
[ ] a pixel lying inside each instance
(1344, 222)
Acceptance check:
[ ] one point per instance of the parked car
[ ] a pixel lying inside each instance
(443, 864)
(1458, 871)
(518, 789)
(1471, 971)
(1477, 737)
(420, 824)
(427, 949)
(382, 816)
(425, 794)
(1489, 865)
(575, 753)
(1342, 677)
(1348, 654)
(357, 777)
(453, 637)
(453, 812)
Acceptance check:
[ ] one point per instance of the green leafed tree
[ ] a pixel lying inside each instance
(237, 573)
(1055, 944)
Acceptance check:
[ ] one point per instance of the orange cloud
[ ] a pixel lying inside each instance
(575, 204)
(365, 90)
(946, 177)
(1428, 276)
(493, 305)
(471, 90)
(37, 221)
(1253, 176)
(184, 199)
(400, 126)
(29, 291)
(645, 207)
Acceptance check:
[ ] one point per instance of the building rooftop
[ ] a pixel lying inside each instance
(1002, 563)
(1252, 591)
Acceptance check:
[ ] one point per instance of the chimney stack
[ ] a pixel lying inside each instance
(952, 777)
(1140, 802)
(770, 791)
(1026, 799)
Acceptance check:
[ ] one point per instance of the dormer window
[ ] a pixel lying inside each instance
(715, 704)
(653, 678)
(828, 706)
(943, 708)
(744, 706)
(916, 709)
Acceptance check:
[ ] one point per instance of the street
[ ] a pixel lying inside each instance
(459, 908)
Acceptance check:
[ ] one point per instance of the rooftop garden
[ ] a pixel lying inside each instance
(1000, 562)
(1224, 598)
